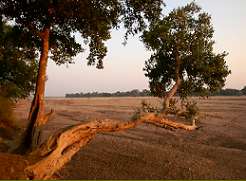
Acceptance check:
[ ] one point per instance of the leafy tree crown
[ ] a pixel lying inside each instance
(186, 33)
(92, 19)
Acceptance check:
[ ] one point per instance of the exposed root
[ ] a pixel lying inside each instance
(59, 149)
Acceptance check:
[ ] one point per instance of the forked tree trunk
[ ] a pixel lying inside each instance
(172, 92)
(37, 117)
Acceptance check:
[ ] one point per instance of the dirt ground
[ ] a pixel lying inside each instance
(215, 151)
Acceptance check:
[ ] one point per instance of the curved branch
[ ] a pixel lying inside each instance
(177, 84)
(59, 149)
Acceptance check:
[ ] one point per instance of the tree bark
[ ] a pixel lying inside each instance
(37, 117)
(59, 148)
(172, 92)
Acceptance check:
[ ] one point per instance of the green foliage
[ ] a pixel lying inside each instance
(173, 108)
(228, 92)
(243, 90)
(185, 34)
(191, 110)
(132, 93)
(145, 108)
(94, 20)
(187, 109)
(18, 70)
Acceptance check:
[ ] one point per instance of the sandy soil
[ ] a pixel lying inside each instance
(216, 151)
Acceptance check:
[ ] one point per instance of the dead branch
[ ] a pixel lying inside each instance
(48, 116)
(153, 119)
(59, 149)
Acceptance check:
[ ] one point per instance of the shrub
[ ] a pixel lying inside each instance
(191, 110)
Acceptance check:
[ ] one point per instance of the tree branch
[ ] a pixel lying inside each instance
(33, 29)
(48, 116)
(59, 149)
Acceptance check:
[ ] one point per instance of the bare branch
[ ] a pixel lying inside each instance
(60, 148)
(48, 116)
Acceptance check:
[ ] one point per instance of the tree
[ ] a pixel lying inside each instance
(183, 60)
(229, 92)
(243, 90)
(18, 70)
(51, 24)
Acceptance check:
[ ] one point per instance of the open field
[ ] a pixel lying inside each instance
(215, 151)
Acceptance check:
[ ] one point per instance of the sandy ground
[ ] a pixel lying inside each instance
(215, 151)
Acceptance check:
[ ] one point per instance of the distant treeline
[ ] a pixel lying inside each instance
(132, 93)
(145, 92)
(230, 92)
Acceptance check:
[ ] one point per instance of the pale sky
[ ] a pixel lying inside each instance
(123, 65)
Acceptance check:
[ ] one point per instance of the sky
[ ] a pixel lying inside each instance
(123, 65)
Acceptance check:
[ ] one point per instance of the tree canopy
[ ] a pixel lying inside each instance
(18, 70)
(92, 19)
(183, 57)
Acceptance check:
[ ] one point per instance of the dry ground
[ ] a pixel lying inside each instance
(216, 151)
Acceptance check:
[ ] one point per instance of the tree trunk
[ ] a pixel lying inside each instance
(170, 94)
(174, 89)
(37, 117)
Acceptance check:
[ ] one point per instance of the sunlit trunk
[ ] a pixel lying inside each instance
(37, 118)
(174, 89)
(170, 94)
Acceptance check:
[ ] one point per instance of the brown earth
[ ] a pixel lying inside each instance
(12, 166)
(215, 151)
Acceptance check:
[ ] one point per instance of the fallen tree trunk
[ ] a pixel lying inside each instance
(59, 149)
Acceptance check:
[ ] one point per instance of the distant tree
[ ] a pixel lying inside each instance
(243, 90)
(229, 92)
(134, 92)
(18, 70)
(183, 60)
(51, 25)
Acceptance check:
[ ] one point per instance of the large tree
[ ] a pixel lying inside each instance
(18, 70)
(51, 25)
(183, 58)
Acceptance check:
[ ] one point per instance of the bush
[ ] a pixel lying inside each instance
(147, 107)
(191, 110)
